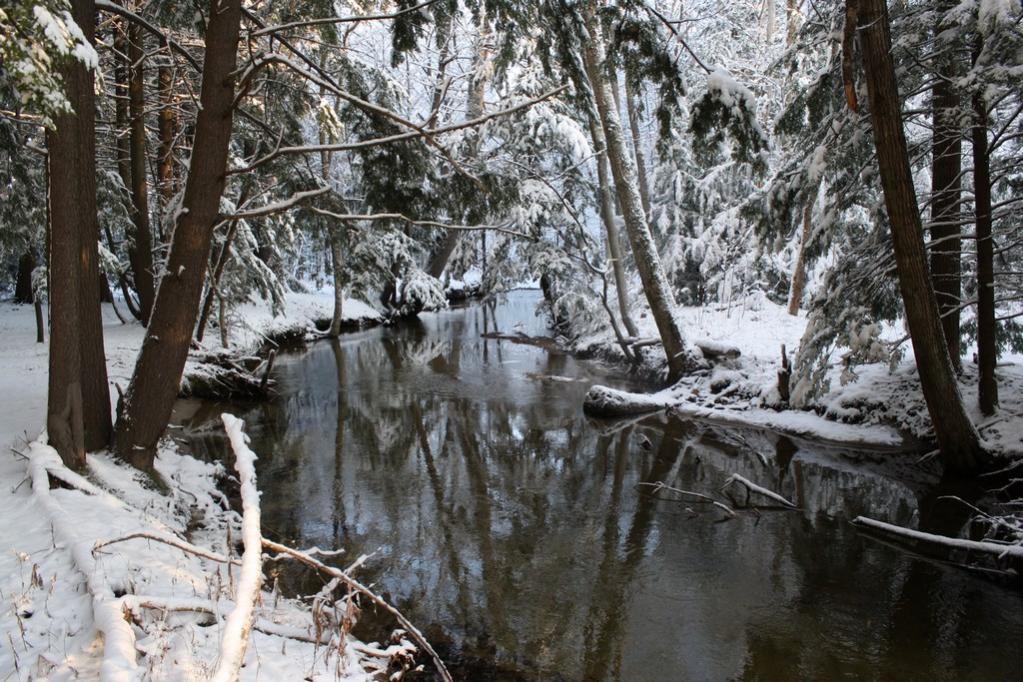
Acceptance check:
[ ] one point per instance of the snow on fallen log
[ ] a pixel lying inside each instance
(235, 637)
(601, 401)
(760, 490)
(715, 351)
(994, 548)
(119, 661)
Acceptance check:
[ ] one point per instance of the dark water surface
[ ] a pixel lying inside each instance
(511, 528)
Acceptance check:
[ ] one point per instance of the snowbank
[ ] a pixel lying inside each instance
(139, 607)
(870, 404)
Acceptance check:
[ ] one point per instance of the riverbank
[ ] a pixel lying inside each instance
(74, 612)
(873, 403)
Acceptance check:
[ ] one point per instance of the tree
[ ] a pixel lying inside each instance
(987, 346)
(946, 171)
(655, 286)
(78, 406)
(148, 402)
(957, 437)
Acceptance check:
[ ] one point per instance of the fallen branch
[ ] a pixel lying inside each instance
(999, 550)
(178, 543)
(414, 632)
(119, 662)
(699, 496)
(752, 487)
(235, 637)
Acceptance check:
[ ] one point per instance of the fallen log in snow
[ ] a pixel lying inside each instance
(717, 352)
(601, 401)
(235, 638)
(119, 660)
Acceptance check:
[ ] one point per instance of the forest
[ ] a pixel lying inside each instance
(520, 317)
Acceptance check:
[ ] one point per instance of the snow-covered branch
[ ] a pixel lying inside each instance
(278, 207)
(239, 623)
(400, 137)
(268, 30)
(353, 217)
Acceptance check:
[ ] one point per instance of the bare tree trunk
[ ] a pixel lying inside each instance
(799, 271)
(655, 286)
(474, 109)
(791, 21)
(987, 349)
(23, 285)
(211, 290)
(70, 145)
(632, 105)
(946, 243)
(957, 437)
(168, 130)
(140, 252)
(154, 385)
(613, 238)
(337, 259)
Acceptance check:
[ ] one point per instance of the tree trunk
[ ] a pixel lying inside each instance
(337, 259)
(93, 362)
(613, 238)
(154, 385)
(957, 437)
(632, 104)
(211, 290)
(69, 145)
(946, 243)
(799, 271)
(987, 350)
(791, 21)
(474, 109)
(23, 286)
(655, 286)
(140, 252)
(168, 128)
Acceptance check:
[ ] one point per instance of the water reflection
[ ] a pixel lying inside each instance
(511, 528)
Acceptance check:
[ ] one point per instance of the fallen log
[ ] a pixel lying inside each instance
(601, 401)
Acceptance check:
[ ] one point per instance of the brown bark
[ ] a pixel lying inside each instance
(154, 385)
(957, 437)
(140, 252)
(168, 129)
(95, 389)
(946, 244)
(987, 349)
(791, 21)
(64, 414)
(655, 286)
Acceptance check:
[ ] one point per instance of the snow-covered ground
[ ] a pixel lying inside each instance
(872, 404)
(68, 609)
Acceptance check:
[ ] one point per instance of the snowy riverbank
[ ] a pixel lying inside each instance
(873, 404)
(71, 609)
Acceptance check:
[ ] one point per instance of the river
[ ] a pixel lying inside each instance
(514, 532)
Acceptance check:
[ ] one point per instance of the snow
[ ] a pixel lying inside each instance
(239, 622)
(872, 404)
(63, 602)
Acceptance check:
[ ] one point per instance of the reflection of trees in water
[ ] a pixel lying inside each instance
(516, 527)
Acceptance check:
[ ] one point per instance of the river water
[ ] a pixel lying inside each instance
(514, 532)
